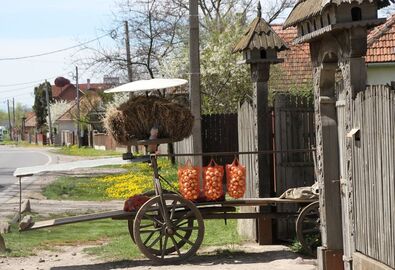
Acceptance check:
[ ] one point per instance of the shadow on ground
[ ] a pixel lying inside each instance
(221, 258)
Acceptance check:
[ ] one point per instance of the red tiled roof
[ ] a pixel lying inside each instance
(296, 70)
(30, 119)
(97, 87)
(381, 42)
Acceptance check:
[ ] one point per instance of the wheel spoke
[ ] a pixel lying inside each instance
(175, 245)
(313, 230)
(153, 219)
(311, 221)
(164, 247)
(182, 224)
(148, 238)
(156, 241)
(147, 226)
(184, 216)
(188, 228)
(183, 238)
(149, 231)
(173, 209)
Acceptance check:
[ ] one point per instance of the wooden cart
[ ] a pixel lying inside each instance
(168, 228)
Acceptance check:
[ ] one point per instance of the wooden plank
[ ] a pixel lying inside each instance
(76, 219)
(392, 178)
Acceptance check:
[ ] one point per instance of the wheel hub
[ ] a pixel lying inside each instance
(169, 231)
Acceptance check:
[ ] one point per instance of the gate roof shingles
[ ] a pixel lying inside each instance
(305, 9)
(260, 36)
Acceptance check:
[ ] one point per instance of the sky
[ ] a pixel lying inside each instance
(33, 27)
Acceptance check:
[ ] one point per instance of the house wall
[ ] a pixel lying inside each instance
(381, 74)
(66, 125)
(343, 12)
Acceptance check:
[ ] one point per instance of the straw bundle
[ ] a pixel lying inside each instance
(134, 119)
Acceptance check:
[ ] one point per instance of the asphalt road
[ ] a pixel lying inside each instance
(12, 158)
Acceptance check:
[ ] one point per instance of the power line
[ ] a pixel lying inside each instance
(56, 51)
(24, 83)
(16, 89)
(20, 95)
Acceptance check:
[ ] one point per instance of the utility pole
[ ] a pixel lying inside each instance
(13, 120)
(194, 76)
(130, 72)
(9, 120)
(49, 113)
(78, 107)
(128, 54)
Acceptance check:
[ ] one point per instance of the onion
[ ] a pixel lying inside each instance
(213, 176)
(236, 180)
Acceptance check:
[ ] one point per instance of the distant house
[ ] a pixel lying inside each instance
(296, 70)
(66, 124)
(380, 57)
(90, 103)
(68, 92)
(29, 126)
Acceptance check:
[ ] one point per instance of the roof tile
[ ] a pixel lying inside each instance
(381, 42)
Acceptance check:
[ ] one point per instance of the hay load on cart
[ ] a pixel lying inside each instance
(136, 118)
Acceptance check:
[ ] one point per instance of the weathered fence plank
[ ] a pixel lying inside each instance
(373, 168)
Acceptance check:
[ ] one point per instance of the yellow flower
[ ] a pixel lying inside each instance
(138, 180)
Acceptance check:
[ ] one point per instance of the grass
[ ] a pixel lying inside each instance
(114, 234)
(136, 180)
(85, 151)
(20, 143)
(76, 188)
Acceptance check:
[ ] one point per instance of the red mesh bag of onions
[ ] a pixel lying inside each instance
(212, 181)
(188, 180)
(235, 179)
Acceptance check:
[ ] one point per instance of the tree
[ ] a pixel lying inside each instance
(160, 47)
(224, 83)
(155, 32)
(40, 105)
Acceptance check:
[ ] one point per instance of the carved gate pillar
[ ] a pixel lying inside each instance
(339, 74)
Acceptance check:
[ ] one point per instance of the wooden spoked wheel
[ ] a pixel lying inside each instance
(171, 249)
(308, 228)
(172, 241)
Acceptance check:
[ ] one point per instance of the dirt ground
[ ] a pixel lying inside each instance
(248, 256)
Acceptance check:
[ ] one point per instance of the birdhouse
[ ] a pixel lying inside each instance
(314, 18)
(260, 42)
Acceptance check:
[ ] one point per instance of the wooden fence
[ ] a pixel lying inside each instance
(374, 174)
(293, 129)
(219, 134)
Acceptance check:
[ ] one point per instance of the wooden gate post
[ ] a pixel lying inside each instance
(260, 45)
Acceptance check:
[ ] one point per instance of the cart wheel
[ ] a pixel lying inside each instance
(171, 249)
(149, 193)
(130, 228)
(168, 243)
(308, 228)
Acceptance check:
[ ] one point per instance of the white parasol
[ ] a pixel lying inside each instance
(147, 85)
